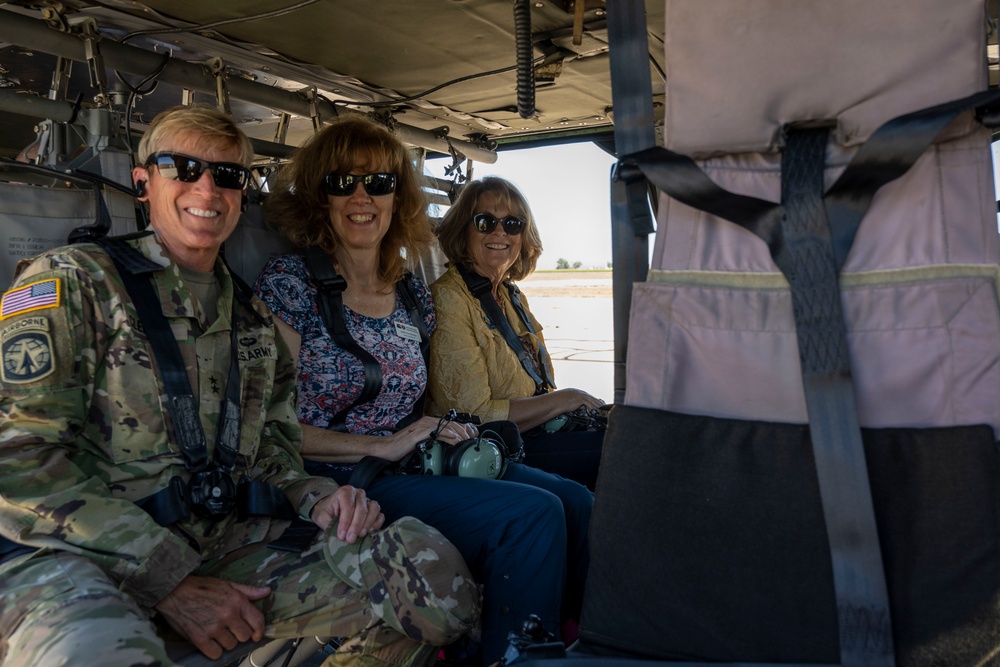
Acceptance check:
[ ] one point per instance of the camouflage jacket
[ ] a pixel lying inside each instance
(83, 424)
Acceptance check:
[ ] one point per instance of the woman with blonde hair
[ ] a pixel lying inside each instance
(488, 354)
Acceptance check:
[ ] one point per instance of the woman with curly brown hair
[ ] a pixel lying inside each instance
(351, 197)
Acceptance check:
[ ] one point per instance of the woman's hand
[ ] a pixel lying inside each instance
(356, 514)
(453, 433)
(574, 398)
(402, 442)
(530, 412)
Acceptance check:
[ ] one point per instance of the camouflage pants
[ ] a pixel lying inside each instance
(396, 595)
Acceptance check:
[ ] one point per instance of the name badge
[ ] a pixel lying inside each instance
(407, 331)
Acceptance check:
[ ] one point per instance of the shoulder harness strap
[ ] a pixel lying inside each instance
(331, 288)
(171, 504)
(482, 290)
(409, 298)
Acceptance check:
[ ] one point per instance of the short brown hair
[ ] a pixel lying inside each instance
(453, 232)
(298, 206)
(217, 129)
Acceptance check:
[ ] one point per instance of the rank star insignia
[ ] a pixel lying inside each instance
(214, 381)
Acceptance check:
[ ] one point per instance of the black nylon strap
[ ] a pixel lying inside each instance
(136, 272)
(544, 361)
(331, 287)
(168, 505)
(632, 101)
(412, 304)
(806, 259)
(482, 289)
(367, 469)
(255, 498)
(171, 503)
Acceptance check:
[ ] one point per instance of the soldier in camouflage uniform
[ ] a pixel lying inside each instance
(85, 435)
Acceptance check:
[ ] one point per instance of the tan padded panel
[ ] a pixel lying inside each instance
(738, 71)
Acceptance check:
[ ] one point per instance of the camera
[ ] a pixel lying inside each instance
(212, 493)
(581, 419)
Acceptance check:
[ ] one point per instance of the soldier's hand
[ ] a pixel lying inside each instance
(355, 513)
(214, 614)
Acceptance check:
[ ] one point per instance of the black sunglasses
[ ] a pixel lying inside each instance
(343, 185)
(187, 169)
(486, 223)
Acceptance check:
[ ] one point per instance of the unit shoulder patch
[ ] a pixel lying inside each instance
(26, 351)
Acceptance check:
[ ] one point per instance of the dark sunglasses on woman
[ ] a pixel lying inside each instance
(187, 169)
(343, 185)
(487, 222)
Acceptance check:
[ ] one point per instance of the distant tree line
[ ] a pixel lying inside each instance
(563, 263)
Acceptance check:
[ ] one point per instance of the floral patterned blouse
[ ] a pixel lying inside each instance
(329, 378)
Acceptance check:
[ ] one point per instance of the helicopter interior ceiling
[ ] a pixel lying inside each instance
(446, 70)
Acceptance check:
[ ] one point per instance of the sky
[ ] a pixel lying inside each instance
(568, 189)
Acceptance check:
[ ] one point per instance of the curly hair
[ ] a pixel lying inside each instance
(216, 129)
(454, 229)
(298, 207)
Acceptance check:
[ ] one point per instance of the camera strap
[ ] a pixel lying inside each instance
(482, 289)
(331, 286)
(171, 504)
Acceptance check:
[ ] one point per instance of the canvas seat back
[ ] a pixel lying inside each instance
(40, 208)
(713, 506)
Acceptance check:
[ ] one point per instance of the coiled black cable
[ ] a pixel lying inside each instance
(525, 66)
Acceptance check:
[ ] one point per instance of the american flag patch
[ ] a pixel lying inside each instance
(43, 294)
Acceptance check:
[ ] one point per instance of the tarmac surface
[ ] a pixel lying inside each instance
(574, 308)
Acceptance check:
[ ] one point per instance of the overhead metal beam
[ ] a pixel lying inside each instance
(36, 35)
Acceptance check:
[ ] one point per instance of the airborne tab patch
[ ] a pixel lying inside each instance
(26, 351)
(36, 296)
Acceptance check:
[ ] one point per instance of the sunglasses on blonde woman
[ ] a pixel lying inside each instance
(487, 222)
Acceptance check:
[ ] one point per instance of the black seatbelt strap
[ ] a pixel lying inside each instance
(805, 257)
(136, 272)
(331, 288)
(171, 504)
(367, 469)
(255, 498)
(482, 289)
(409, 298)
(631, 222)
(544, 361)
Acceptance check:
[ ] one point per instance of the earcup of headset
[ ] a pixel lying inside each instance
(480, 457)
(432, 460)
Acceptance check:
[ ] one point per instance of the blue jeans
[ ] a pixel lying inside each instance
(574, 455)
(523, 537)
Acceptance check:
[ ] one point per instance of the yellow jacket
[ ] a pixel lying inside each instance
(472, 367)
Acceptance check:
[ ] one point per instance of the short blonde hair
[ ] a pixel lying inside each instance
(218, 130)
(453, 232)
(299, 208)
